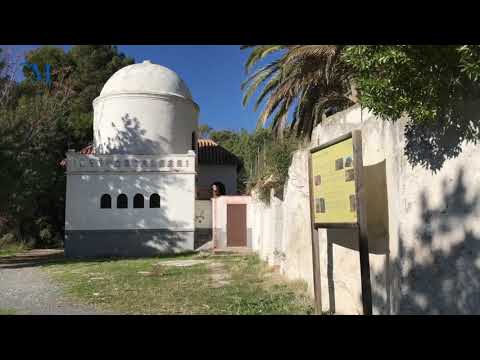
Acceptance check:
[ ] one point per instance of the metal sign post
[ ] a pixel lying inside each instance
(337, 200)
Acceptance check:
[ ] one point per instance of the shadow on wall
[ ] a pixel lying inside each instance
(142, 239)
(429, 145)
(446, 280)
(130, 140)
(377, 224)
(135, 218)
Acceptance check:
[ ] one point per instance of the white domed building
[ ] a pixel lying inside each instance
(133, 193)
(144, 109)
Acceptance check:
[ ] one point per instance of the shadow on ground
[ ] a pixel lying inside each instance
(41, 257)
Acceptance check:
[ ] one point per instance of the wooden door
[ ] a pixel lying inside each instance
(236, 225)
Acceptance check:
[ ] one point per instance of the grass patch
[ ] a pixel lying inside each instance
(10, 249)
(228, 284)
(7, 312)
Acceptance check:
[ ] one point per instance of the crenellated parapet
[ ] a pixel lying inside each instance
(130, 163)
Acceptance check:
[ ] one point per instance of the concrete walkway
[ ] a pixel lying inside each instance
(26, 289)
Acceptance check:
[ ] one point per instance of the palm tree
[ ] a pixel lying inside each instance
(310, 78)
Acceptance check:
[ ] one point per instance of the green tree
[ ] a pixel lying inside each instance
(426, 82)
(265, 159)
(87, 68)
(32, 140)
(94, 65)
(204, 130)
(436, 86)
(235, 143)
(308, 80)
(8, 88)
(59, 61)
(39, 127)
(2, 68)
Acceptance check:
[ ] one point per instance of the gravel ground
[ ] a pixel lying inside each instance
(26, 289)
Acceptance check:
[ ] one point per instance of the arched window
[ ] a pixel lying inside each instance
(217, 189)
(105, 202)
(138, 201)
(154, 201)
(179, 163)
(122, 201)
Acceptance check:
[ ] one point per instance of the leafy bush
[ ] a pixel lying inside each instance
(7, 239)
(435, 85)
(265, 159)
(271, 172)
(426, 82)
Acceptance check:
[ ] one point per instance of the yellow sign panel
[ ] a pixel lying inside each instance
(334, 184)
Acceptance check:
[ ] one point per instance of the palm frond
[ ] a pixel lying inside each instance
(271, 85)
(255, 75)
(254, 86)
(258, 53)
(281, 118)
(318, 51)
(312, 74)
(269, 109)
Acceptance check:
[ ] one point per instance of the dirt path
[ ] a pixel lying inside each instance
(26, 289)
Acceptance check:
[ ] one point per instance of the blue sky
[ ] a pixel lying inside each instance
(212, 72)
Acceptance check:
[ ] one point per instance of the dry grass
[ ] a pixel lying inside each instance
(228, 284)
(7, 312)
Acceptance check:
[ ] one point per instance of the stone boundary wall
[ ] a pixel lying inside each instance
(424, 231)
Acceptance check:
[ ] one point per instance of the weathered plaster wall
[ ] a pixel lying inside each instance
(281, 231)
(339, 257)
(203, 222)
(226, 174)
(203, 214)
(423, 227)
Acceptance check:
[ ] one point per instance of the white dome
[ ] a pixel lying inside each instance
(144, 78)
(144, 109)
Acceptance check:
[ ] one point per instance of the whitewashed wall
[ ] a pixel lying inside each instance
(203, 214)
(281, 231)
(176, 210)
(144, 124)
(424, 235)
(88, 179)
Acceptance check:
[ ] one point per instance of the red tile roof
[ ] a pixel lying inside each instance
(209, 152)
(206, 142)
(87, 150)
